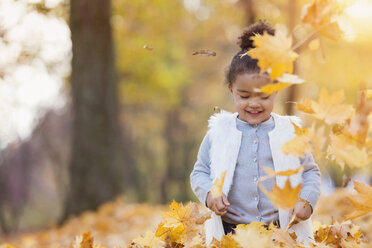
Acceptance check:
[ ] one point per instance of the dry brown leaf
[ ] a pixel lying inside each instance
(204, 53)
(283, 238)
(148, 48)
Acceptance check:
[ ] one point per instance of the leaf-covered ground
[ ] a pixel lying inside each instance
(118, 224)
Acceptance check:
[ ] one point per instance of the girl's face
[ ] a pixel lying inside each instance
(253, 107)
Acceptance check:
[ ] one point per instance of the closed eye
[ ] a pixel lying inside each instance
(244, 97)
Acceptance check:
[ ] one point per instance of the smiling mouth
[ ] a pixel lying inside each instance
(254, 113)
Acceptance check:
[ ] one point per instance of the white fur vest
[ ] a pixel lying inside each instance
(225, 141)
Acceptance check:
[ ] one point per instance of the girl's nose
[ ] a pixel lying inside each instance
(254, 103)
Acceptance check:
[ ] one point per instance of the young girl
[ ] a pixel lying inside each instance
(242, 143)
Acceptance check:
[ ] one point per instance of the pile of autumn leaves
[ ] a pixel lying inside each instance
(182, 226)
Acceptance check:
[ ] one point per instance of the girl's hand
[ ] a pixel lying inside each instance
(217, 204)
(302, 211)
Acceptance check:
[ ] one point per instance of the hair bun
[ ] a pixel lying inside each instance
(245, 42)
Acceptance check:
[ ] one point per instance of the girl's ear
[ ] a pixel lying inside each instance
(230, 88)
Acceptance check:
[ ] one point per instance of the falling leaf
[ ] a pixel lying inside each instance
(270, 173)
(290, 78)
(305, 106)
(298, 146)
(330, 108)
(272, 88)
(285, 197)
(343, 151)
(148, 48)
(359, 124)
(298, 130)
(204, 53)
(317, 139)
(362, 202)
(216, 109)
(319, 15)
(274, 53)
(216, 190)
(150, 240)
(282, 82)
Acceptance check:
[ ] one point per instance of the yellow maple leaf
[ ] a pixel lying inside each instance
(285, 197)
(253, 235)
(319, 15)
(318, 140)
(282, 82)
(178, 214)
(330, 108)
(344, 150)
(149, 240)
(300, 144)
(271, 173)
(297, 146)
(362, 202)
(305, 106)
(216, 190)
(274, 53)
(272, 88)
(170, 234)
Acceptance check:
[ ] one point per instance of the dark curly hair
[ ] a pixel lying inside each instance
(246, 64)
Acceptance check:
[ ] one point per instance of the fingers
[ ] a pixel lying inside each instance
(218, 206)
(225, 201)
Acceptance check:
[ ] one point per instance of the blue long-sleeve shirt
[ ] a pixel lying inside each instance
(248, 202)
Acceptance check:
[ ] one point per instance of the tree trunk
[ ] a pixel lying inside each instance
(95, 166)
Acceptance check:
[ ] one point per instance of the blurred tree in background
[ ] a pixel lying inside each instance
(96, 169)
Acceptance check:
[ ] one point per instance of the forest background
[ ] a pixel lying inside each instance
(100, 99)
